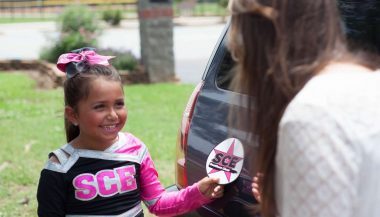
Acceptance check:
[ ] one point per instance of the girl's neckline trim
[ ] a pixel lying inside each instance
(120, 141)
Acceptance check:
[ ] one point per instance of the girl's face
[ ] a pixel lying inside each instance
(102, 115)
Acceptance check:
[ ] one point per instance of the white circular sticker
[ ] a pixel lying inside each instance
(226, 161)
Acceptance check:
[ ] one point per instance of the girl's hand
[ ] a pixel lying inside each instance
(210, 188)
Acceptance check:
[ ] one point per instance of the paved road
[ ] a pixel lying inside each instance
(194, 40)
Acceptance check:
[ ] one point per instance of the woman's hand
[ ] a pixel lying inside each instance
(256, 187)
(210, 188)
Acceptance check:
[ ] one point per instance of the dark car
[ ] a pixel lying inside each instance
(205, 120)
(204, 125)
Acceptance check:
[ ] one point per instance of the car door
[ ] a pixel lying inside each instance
(209, 127)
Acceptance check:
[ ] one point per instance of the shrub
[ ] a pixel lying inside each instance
(76, 17)
(113, 17)
(65, 44)
(124, 60)
(78, 27)
(223, 3)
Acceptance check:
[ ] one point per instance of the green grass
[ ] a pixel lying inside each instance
(5, 20)
(129, 12)
(200, 9)
(31, 125)
(209, 9)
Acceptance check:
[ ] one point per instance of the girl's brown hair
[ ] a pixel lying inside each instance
(77, 88)
(279, 45)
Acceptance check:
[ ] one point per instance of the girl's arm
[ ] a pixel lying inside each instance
(164, 203)
(51, 194)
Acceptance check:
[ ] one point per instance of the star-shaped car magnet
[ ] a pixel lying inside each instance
(226, 160)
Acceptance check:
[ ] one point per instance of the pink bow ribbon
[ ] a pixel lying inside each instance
(89, 55)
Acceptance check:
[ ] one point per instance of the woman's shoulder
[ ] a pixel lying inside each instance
(345, 94)
(340, 85)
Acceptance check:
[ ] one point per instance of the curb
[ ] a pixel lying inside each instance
(180, 21)
(198, 21)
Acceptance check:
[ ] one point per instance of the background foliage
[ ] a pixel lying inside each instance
(112, 16)
(78, 28)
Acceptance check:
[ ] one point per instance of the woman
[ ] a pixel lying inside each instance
(314, 108)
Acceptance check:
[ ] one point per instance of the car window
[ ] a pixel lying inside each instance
(224, 75)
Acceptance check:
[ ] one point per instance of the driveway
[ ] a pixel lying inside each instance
(194, 40)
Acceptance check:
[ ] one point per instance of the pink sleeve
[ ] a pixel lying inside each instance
(162, 203)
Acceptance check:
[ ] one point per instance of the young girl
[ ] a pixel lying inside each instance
(313, 108)
(102, 171)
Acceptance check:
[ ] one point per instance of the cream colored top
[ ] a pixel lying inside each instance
(328, 156)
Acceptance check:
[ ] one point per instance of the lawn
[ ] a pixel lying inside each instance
(201, 8)
(5, 20)
(31, 125)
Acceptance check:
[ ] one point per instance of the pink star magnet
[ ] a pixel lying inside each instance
(226, 161)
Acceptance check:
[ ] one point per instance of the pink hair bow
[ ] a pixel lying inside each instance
(84, 55)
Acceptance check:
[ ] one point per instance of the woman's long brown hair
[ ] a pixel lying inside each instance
(279, 45)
